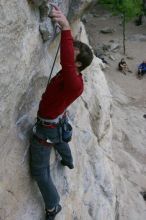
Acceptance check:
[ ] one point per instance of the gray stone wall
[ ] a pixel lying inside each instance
(25, 63)
(109, 174)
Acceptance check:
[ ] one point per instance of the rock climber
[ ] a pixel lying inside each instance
(52, 127)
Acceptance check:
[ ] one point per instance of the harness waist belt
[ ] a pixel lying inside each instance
(47, 124)
(51, 121)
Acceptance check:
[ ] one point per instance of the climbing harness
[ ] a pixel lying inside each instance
(65, 130)
(45, 142)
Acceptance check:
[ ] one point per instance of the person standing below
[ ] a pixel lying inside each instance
(141, 70)
(63, 90)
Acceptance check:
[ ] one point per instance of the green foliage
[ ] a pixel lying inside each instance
(130, 8)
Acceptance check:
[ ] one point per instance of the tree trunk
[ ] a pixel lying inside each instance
(124, 29)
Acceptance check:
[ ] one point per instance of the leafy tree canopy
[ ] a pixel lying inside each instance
(130, 8)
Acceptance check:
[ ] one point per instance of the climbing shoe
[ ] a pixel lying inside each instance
(51, 215)
(69, 165)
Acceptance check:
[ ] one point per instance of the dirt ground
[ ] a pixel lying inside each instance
(100, 18)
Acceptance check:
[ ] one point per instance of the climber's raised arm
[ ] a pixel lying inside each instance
(67, 52)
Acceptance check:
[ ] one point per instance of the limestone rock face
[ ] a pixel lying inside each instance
(78, 7)
(25, 63)
(129, 154)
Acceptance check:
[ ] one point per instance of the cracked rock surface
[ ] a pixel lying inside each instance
(95, 189)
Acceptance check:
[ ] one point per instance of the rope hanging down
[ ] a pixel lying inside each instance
(77, 37)
(54, 59)
(53, 64)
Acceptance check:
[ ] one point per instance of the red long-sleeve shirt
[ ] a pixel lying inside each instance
(66, 86)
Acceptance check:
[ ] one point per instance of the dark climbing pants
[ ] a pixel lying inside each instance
(40, 162)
